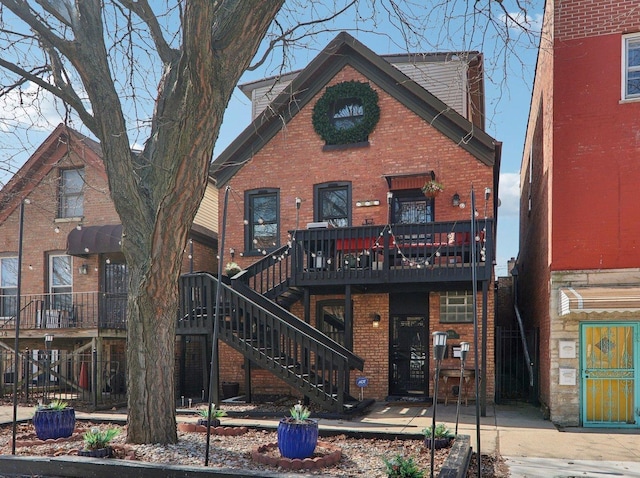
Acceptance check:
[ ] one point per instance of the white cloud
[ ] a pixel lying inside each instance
(509, 194)
(30, 107)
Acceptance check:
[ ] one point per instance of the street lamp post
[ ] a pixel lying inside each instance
(48, 338)
(439, 347)
(464, 350)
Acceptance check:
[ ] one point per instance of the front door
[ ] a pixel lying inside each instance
(609, 360)
(408, 367)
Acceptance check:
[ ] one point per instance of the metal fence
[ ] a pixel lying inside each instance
(83, 378)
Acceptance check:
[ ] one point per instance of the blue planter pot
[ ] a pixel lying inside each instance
(54, 423)
(297, 440)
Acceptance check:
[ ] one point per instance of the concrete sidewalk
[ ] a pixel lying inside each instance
(532, 446)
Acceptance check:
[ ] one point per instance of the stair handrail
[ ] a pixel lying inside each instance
(278, 261)
(524, 345)
(291, 319)
(281, 314)
(297, 341)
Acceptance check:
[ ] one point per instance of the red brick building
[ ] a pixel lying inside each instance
(73, 279)
(578, 265)
(327, 218)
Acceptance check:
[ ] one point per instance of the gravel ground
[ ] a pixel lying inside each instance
(360, 457)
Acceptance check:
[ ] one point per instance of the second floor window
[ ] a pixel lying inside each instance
(631, 86)
(8, 286)
(263, 220)
(333, 204)
(71, 195)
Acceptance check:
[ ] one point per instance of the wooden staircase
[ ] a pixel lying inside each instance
(267, 334)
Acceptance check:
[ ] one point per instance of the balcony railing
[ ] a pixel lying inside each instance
(437, 251)
(78, 310)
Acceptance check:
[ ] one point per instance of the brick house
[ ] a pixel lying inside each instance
(578, 266)
(348, 267)
(73, 279)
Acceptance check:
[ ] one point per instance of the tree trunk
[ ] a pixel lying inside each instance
(150, 362)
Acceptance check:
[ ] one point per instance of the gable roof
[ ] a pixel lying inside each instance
(346, 50)
(58, 144)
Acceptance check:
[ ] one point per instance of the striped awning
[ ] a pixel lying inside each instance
(598, 299)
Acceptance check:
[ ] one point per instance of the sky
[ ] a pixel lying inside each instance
(509, 75)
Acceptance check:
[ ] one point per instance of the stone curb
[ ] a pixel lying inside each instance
(457, 463)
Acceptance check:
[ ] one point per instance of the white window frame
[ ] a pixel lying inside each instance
(71, 199)
(456, 307)
(59, 291)
(3, 284)
(627, 41)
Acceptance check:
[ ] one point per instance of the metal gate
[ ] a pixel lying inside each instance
(609, 361)
(512, 374)
(114, 303)
(408, 367)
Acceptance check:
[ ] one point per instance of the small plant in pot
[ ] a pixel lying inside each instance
(443, 436)
(297, 434)
(432, 188)
(213, 417)
(96, 442)
(55, 420)
(232, 269)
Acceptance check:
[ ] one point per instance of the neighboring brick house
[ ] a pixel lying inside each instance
(73, 280)
(579, 262)
(338, 231)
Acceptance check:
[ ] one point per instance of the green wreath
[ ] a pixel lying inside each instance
(323, 113)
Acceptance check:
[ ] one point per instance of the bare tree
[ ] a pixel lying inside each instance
(161, 75)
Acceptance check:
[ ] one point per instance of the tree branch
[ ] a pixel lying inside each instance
(67, 95)
(283, 36)
(143, 10)
(22, 11)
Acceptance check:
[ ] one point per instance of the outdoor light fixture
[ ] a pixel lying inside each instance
(455, 200)
(439, 348)
(376, 320)
(439, 345)
(232, 252)
(83, 269)
(389, 197)
(298, 203)
(464, 350)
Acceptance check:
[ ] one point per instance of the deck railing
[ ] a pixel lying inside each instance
(77, 310)
(437, 251)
